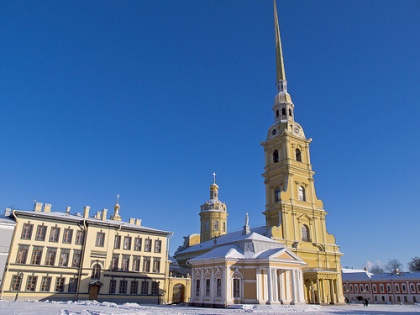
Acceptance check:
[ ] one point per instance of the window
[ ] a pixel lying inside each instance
(218, 287)
(418, 287)
(298, 155)
(72, 285)
(117, 241)
(134, 287)
(146, 264)
(22, 254)
(388, 288)
(283, 111)
(76, 258)
(54, 234)
(67, 236)
(155, 288)
(366, 288)
(127, 242)
(112, 286)
(26, 231)
(236, 289)
(412, 288)
(275, 156)
(41, 231)
(59, 284)
(148, 245)
(305, 233)
(156, 264)
(374, 288)
(36, 256)
(31, 283)
(290, 112)
(80, 237)
(123, 287)
(397, 288)
(351, 288)
(114, 263)
(64, 258)
(50, 259)
(302, 196)
(137, 244)
(100, 239)
(381, 288)
(197, 288)
(356, 288)
(96, 271)
(216, 225)
(136, 263)
(224, 226)
(207, 287)
(16, 282)
(206, 225)
(144, 287)
(125, 262)
(45, 284)
(277, 194)
(404, 288)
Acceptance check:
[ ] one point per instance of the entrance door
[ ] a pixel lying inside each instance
(93, 292)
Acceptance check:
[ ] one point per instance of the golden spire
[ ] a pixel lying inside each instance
(281, 74)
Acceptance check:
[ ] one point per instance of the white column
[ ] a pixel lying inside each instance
(228, 293)
(275, 286)
(258, 284)
(269, 283)
(287, 288)
(301, 287)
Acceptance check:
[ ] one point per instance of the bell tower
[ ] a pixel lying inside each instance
(294, 215)
(213, 215)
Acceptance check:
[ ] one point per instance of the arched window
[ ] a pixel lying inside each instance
(236, 288)
(356, 288)
(366, 287)
(277, 195)
(302, 196)
(351, 288)
(374, 288)
(197, 287)
(305, 233)
(216, 225)
(404, 288)
(345, 288)
(397, 288)
(381, 288)
(412, 288)
(298, 155)
(96, 271)
(283, 111)
(277, 113)
(388, 288)
(275, 156)
(290, 112)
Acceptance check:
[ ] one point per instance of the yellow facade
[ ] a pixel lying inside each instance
(294, 214)
(63, 256)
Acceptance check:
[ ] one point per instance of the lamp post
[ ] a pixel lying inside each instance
(20, 277)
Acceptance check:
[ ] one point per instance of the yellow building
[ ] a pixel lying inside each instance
(63, 256)
(295, 217)
(294, 214)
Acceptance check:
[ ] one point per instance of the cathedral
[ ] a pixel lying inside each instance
(290, 260)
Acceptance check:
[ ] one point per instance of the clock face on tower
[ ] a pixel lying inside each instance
(296, 130)
(273, 132)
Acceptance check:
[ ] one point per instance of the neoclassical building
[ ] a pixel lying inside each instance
(64, 256)
(295, 219)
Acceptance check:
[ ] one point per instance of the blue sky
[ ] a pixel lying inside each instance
(147, 99)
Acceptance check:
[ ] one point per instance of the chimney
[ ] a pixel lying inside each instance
(68, 210)
(7, 212)
(38, 206)
(47, 207)
(86, 212)
(131, 221)
(138, 222)
(98, 215)
(104, 211)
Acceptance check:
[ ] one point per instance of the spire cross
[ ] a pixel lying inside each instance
(118, 197)
(214, 177)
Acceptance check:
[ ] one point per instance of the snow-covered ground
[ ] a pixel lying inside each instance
(106, 308)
